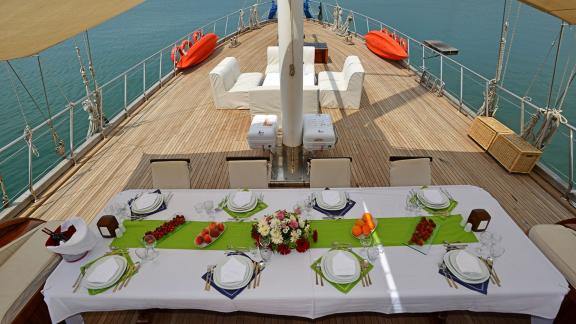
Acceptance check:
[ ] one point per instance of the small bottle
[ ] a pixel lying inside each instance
(119, 232)
(468, 227)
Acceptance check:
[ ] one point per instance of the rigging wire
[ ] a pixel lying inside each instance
(512, 37)
(540, 67)
(27, 91)
(15, 90)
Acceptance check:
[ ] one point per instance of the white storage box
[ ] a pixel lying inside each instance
(318, 132)
(262, 133)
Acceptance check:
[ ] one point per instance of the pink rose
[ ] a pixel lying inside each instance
(297, 211)
(294, 224)
(281, 214)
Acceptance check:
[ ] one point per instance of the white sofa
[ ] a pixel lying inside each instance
(265, 100)
(273, 60)
(342, 89)
(24, 266)
(230, 87)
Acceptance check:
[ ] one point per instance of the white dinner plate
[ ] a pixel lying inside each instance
(453, 269)
(445, 203)
(122, 265)
(326, 266)
(143, 207)
(234, 285)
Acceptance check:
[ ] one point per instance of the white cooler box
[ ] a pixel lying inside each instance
(262, 133)
(318, 132)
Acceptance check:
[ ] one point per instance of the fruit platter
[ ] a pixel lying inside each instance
(423, 235)
(168, 228)
(423, 231)
(364, 226)
(209, 234)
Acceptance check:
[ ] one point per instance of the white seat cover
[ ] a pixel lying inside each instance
(557, 243)
(170, 174)
(230, 87)
(411, 172)
(248, 174)
(342, 89)
(330, 173)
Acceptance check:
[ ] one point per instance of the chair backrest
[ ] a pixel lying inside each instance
(248, 173)
(330, 173)
(308, 55)
(170, 173)
(410, 171)
(224, 75)
(350, 60)
(272, 55)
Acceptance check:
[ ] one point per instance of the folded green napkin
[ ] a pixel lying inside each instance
(345, 288)
(125, 276)
(259, 207)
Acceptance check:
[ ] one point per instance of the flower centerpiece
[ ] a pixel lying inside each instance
(285, 231)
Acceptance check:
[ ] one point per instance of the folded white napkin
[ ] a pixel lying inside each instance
(433, 196)
(331, 197)
(232, 271)
(468, 264)
(103, 271)
(343, 265)
(242, 198)
(146, 201)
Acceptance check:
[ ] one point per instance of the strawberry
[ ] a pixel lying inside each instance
(207, 238)
(199, 240)
(221, 227)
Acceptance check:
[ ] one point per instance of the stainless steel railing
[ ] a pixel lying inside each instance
(120, 96)
(467, 91)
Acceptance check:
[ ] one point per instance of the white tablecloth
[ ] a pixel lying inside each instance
(404, 281)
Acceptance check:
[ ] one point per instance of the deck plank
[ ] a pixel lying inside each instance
(397, 117)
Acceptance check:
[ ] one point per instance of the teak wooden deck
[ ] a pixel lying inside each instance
(397, 117)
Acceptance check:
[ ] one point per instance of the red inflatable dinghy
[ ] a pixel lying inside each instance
(386, 45)
(190, 54)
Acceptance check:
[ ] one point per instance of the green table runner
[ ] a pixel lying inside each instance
(345, 288)
(390, 232)
(260, 206)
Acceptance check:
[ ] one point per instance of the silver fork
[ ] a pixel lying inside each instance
(209, 271)
(320, 274)
(442, 267)
(449, 275)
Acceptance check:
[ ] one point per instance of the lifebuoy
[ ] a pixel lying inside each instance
(184, 47)
(403, 43)
(173, 53)
(197, 35)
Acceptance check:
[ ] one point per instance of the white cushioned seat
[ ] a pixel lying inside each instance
(248, 174)
(558, 244)
(230, 87)
(266, 100)
(330, 173)
(342, 89)
(24, 266)
(410, 172)
(170, 174)
(273, 59)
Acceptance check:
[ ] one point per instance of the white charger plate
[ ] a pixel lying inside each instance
(234, 285)
(122, 265)
(326, 266)
(450, 263)
(144, 210)
(422, 199)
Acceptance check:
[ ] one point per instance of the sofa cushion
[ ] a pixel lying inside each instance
(25, 272)
(247, 81)
(558, 244)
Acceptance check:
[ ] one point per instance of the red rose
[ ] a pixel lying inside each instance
(283, 249)
(302, 245)
(315, 236)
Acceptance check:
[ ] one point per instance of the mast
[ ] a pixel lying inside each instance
(291, 42)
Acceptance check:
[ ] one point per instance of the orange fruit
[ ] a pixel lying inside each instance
(356, 230)
(371, 225)
(366, 230)
(359, 222)
(367, 217)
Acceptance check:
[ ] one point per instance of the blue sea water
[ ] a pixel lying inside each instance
(470, 25)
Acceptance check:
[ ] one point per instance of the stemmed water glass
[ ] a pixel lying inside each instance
(209, 208)
(264, 248)
(148, 253)
(308, 205)
(366, 242)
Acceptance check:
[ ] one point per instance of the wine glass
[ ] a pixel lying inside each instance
(199, 208)
(209, 207)
(148, 253)
(496, 251)
(308, 205)
(366, 242)
(265, 251)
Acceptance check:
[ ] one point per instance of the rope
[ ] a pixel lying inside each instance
(512, 37)
(26, 89)
(59, 143)
(540, 67)
(5, 198)
(28, 138)
(553, 119)
(15, 90)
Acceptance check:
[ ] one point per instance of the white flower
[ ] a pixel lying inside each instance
(285, 230)
(301, 223)
(299, 231)
(294, 236)
(274, 223)
(263, 229)
(276, 236)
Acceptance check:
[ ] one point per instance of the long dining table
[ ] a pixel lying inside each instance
(404, 281)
